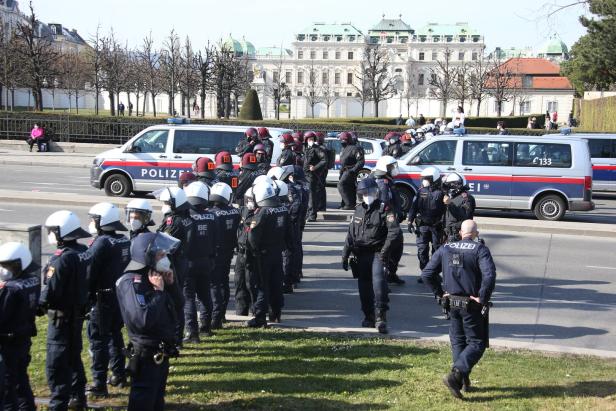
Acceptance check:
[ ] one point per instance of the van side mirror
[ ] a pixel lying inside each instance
(415, 161)
(134, 149)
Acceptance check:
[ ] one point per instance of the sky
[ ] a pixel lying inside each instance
(518, 23)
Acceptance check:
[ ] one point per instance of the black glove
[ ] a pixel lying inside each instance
(345, 263)
(411, 228)
(41, 310)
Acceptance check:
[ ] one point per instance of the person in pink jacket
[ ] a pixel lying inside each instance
(37, 136)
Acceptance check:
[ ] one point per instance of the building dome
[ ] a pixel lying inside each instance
(232, 45)
(554, 46)
(248, 48)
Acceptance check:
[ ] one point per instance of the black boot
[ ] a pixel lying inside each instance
(368, 321)
(216, 324)
(454, 381)
(466, 383)
(78, 402)
(381, 322)
(287, 289)
(275, 317)
(257, 322)
(117, 381)
(206, 329)
(394, 279)
(97, 391)
(191, 337)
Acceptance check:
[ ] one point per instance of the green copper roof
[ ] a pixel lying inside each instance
(391, 25)
(233, 45)
(458, 29)
(332, 29)
(247, 47)
(554, 46)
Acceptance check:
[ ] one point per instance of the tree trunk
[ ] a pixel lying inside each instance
(363, 108)
(376, 109)
(112, 103)
(328, 107)
(202, 105)
(478, 107)
(130, 112)
(443, 108)
(153, 103)
(12, 99)
(97, 93)
(77, 101)
(183, 103)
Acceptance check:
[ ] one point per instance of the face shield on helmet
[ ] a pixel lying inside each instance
(173, 199)
(105, 217)
(197, 194)
(152, 250)
(63, 226)
(430, 176)
(282, 189)
(264, 194)
(14, 259)
(138, 214)
(367, 191)
(454, 181)
(249, 199)
(220, 193)
(387, 165)
(275, 173)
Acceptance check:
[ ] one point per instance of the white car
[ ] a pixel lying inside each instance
(373, 150)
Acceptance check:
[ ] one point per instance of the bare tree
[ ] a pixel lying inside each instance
(189, 75)
(238, 81)
(232, 78)
(205, 65)
(150, 61)
(277, 88)
(328, 95)
(500, 83)
(313, 92)
(462, 84)
(136, 79)
(442, 81)
(411, 91)
(112, 65)
(477, 81)
(36, 54)
(375, 67)
(170, 66)
(94, 57)
(73, 71)
(10, 68)
(362, 89)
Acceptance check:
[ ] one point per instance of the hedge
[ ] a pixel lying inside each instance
(598, 115)
(251, 108)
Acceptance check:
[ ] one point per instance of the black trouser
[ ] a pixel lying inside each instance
(220, 287)
(467, 334)
(372, 284)
(291, 255)
(243, 299)
(65, 374)
(147, 386)
(180, 265)
(197, 285)
(347, 187)
(266, 286)
(427, 234)
(395, 254)
(315, 199)
(38, 141)
(106, 342)
(323, 192)
(17, 392)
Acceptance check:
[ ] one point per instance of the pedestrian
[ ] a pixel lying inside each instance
(268, 236)
(393, 149)
(109, 255)
(287, 156)
(64, 299)
(555, 120)
(469, 276)
(426, 215)
(224, 172)
(195, 108)
(245, 262)
(385, 171)
(368, 244)
(421, 121)
(37, 136)
(410, 122)
(249, 170)
(121, 108)
(227, 220)
(201, 256)
(458, 117)
(501, 129)
(148, 298)
(21, 288)
(139, 216)
(351, 163)
(459, 203)
(399, 120)
(330, 155)
(205, 168)
(570, 120)
(315, 165)
(298, 180)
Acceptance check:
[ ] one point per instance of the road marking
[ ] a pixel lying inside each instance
(4, 209)
(56, 184)
(600, 268)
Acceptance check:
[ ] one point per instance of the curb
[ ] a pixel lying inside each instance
(42, 164)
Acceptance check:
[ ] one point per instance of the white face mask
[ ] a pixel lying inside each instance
(166, 209)
(5, 275)
(282, 146)
(51, 239)
(369, 199)
(135, 224)
(92, 228)
(250, 205)
(163, 265)
(310, 143)
(425, 183)
(392, 141)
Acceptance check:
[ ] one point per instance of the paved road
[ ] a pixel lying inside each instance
(551, 289)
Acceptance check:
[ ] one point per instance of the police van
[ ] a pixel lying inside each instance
(603, 156)
(547, 175)
(159, 154)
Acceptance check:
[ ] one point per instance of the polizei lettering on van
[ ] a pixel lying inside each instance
(162, 173)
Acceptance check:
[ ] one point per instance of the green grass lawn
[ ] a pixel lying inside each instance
(292, 370)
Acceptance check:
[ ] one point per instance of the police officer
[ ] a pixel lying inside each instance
(246, 146)
(224, 170)
(372, 231)
(204, 168)
(315, 166)
(298, 150)
(298, 181)
(268, 236)
(64, 298)
(227, 220)
(385, 170)
(460, 205)
(178, 224)
(426, 215)
(330, 156)
(408, 141)
(263, 162)
(249, 170)
(287, 156)
(109, 255)
(265, 139)
(469, 277)
(147, 294)
(139, 216)
(394, 147)
(245, 261)
(21, 287)
(351, 162)
(186, 178)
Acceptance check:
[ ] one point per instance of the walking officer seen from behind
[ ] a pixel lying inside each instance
(460, 205)
(315, 165)
(468, 281)
(371, 233)
(109, 254)
(426, 216)
(224, 170)
(148, 303)
(139, 216)
(205, 169)
(64, 298)
(351, 162)
(20, 287)
(245, 262)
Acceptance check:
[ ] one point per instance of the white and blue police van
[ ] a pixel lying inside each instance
(159, 154)
(547, 175)
(603, 156)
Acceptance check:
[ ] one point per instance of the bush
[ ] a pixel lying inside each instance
(251, 109)
(598, 115)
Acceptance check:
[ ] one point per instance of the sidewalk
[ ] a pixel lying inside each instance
(11, 156)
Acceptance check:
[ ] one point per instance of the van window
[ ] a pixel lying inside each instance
(542, 155)
(205, 141)
(153, 141)
(602, 148)
(439, 152)
(485, 153)
(367, 146)
(334, 145)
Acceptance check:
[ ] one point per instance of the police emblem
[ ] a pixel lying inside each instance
(50, 272)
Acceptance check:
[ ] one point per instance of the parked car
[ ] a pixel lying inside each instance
(373, 149)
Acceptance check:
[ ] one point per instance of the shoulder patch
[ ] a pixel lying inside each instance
(169, 220)
(91, 242)
(59, 251)
(136, 278)
(50, 272)
(253, 224)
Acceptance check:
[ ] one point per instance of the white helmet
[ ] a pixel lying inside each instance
(265, 194)
(387, 164)
(140, 204)
(263, 178)
(431, 173)
(282, 189)
(455, 180)
(221, 193)
(142, 207)
(198, 193)
(64, 225)
(174, 199)
(14, 251)
(106, 217)
(275, 173)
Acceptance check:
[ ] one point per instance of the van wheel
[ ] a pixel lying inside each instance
(362, 174)
(550, 207)
(406, 198)
(117, 185)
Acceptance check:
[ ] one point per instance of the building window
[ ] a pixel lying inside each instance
(288, 77)
(434, 56)
(300, 54)
(475, 39)
(325, 77)
(275, 77)
(475, 56)
(264, 76)
(338, 38)
(404, 40)
(374, 39)
(422, 39)
(420, 79)
(313, 37)
(311, 94)
(337, 55)
(336, 94)
(300, 77)
(433, 78)
(527, 81)
(449, 39)
(350, 55)
(299, 94)
(462, 39)
(337, 78)
(422, 56)
(313, 54)
(325, 55)
(301, 37)
(351, 38)
(435, 39)
(326, 38)
(390, 40)
(349, 94)
(552, 106)
(524, 107)
(349, 78)
(461, 56)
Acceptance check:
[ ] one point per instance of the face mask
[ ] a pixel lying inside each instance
(5, 275)
(392, 141)
(163, 265)
(282, 146)
(166, 209)
(310, 143)
(394, 172)
(250, 205)
(369, 199)
(425, 183)
(51, 239)
(135, 224)
(343, 144)
(92, 228)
